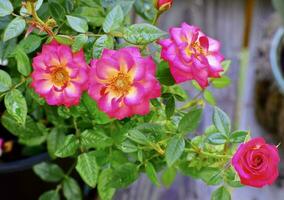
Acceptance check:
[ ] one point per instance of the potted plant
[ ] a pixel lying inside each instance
(103, 92)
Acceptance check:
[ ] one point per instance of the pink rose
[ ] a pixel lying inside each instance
(192, 55)
(163, 5)
(60, 76)
(122, 82)
(256, 163)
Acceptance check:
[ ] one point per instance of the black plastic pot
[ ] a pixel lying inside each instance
(18, 181)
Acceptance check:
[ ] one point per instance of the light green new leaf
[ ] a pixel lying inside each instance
(221, 121)
(105, 192)
(208, 96)
(6, 8)
(14, 28)
(16, 106)
(113, 19)
(5, 81)
(151, 173)
(87, 168)
(174, 149)
(141, 34)
(168, 176)
(78, 24)
(221, 194)
(222, 82)
(49, 172)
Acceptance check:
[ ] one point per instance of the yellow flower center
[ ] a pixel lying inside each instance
(59, 76)
(120, 84)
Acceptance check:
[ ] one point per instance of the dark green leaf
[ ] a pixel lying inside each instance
(87, 168)
(69, 148)
(170, 106)
(14, 28)
(138, 137)
(123, 175)
(174, 149)
(71, 189)
(127, 147)
(103, 42)
(217, 138)
(78, 24)
(113, 20)
(95, 139)
(63, 39)
(145, 9)
(105, 192)
(93, 15)
(6, 8)
(221, 194)
(164, 75)
(50, 195)
(141, 34)
(31, 43)
(48, 172)
(16, 106)
(151, 173)
(56, 10)
(190, 120)
(55, 140)
(5, 81)
(221, 121)
(23, 62)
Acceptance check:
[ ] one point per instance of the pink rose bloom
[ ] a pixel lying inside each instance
(192, 55)
(1, 146)
(122, 82)
(256, 163)
(59, 75)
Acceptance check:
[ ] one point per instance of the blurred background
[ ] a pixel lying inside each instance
(251, 35)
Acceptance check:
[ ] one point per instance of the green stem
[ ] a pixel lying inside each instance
(158, 14)
(78, 132)
(211, 155)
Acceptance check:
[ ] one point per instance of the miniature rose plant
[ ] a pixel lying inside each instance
(83, 81)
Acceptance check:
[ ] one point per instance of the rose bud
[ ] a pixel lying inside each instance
(163, 5)
(256, 163)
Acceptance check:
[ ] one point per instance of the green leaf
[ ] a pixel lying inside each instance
(23, 62)
(30, 44)
(138, 137)
(151, 173)
(87, 168)
(190, 120)
(222, 82)
(128, 147)
(196, 85)
(105, 192)
(164, 75)
(113, 19)
(16, 106)
(69, 148)
(55, 141)
(98, 116)
(71, 189)
(211, 176)
(5, 81)
(50, 195)
(221, 121)
(174, 149)
(123, 175)
(56, 10)
(221, 194)
(6, 8)
(170, 106)
(238, 136)
(24, 12)
(78, 24)
(208, 96)
(14, 28)
(80, 41)
(103, 42)
(94, 15)
(217, 138)
(48, 172)
(168, 176)
(232, 178)
(145, 9)
(95, 139)
(141, 34)
(64, 39)
(226, 65)
(31, 134)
